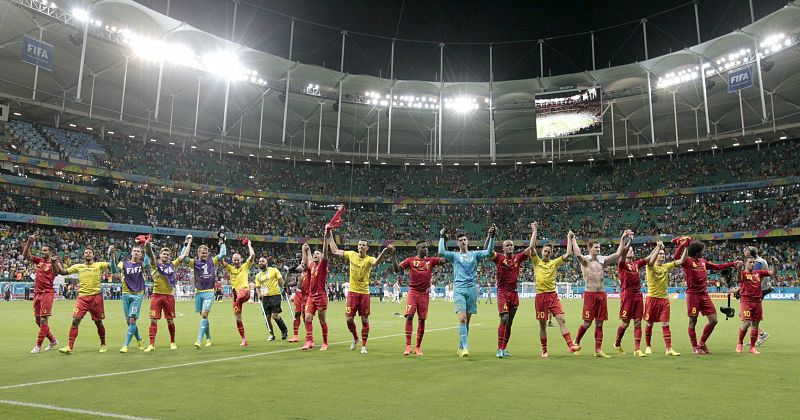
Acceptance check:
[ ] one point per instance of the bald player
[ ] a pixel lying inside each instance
(508, 265)
(240, 272)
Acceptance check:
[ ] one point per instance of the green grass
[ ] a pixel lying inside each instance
(340, 383)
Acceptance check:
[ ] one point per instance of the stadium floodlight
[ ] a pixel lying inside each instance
(690, 150)
(570, 160)
(783, 137)
(17, 114)
(172, 143)
(758, 141)
(439, 164)
(455, 164)
(229, 152)
(519, 163)
(193, 147)
(89, 128)
(251, 155)
(422, 164)
(347, 161)
(110, 132)
(327, 161)
(476, 163)
(735, 144)
(288, 158)
(630, 156)
(210, 149)
(80, 14)
(669, 152)
(72, 125)
(366, 162)
(461, 104)
(383, 163)
(494, 163)
(224, 64)
(269, 156)
(131, 136)
(152, 140)
(649, 153)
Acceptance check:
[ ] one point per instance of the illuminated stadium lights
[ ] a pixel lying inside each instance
(131, 136)
(110, 132)
(210, 150)
(229, 152)
(439, 164)
(193, 147)
(312, 89)
(591, 159)
(152, 140)
(570, 160)
(757, 142)
(631, 156)
(476, 164)
(519, 163)
(90, 128)
(714, 147)
(327, 161)
(455, 164)
(288, 158)
(269, 156)
(251, 155)
(775, 42)
(461, 104)
(172, 143)
(81, 15)
(681, 76)
(783, 138)
(735, 144)
(154, 50)
(494, 163)
(17, 114)
(669, 152)
(649, 153)
(383, 163)
(690, 150)
(422, 164)
(72, 125)
(365, 162)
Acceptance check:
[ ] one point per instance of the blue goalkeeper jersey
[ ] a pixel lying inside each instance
(465, 264)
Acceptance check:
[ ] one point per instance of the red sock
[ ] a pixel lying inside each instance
(50, 335)
(637, 337)
(742, 333)
(296, 325)
(73, 334)
(153, 331)
(667, 336)
(693, 337)
(567, 338)
(420, 333)
(409, 330)
(753, 337)
(44, 330)
(364, 333)
(620, 334)
(240, 327)
(507, 337)
(544, 344)
(324, 326)
(501, 335)
(707, 330)
(648, 334)
(598, 338)
(171, 328)
(101, 332)
(309, 331)
(351, 325)
(581, 332)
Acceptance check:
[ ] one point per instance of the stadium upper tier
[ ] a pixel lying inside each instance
(151, 76)
(275, 174)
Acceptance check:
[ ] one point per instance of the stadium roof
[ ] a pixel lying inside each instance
(465, 138)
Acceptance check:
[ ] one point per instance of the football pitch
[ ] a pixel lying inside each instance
(277, 380)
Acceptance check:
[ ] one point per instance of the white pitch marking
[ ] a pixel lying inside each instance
(72, 410)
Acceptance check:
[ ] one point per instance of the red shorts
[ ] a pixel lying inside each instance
(417, 302)
(751, 310)
(631, 305)
(507, 300)
(92, 304)
(242, 296)
(656, 310)
(299, 301)
(316, 303)
(699, 304)
(162, 303)
(43, 303)
(357, 304)
(595, 306)
(547, 303)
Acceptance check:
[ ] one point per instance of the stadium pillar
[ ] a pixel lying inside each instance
(391, 106)
(378, 132)
(675, 114)
(124, 87)
(319, 138)
(91, 97)
(158, 88)
(644, 32)
(240, 130)
(594, 65)
(492, 145)
(441, 95)
(772, 105)
(225, 114)
(304, 136)
(650, 103)
(197, 107)
(233, 25)
(697, 21)
(752, 14)
(696, 124)
(288, 79)
(36, 70)
(541, 58)
(613, 134)
(261, 120)
(760, 79)
(741, 110)
(341, 86)
(171, 112)
(83, 59)
(705, 98)
(626, 134)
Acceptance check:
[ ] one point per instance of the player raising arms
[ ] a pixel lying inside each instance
(750, 281)
(269, 283)
(508, 265)
(657, 307)
(47, 267)
(420, 271)
(695, 269)
(595, 301)
(547, 302)
(132, 292)
(631, 303)
(163, 300)
(90, 298)
(465, 271)
(300, 293)
(240, 272)
(205, 273)
(358, 296)
(316, 294)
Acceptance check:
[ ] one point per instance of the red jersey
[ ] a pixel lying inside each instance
(318, 279)
(508, 270)
(750, 284)
(696, 273)
(306, 277)
(43, 283)
(420, 271)
(629, 278)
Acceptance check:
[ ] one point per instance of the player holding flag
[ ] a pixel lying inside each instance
(420, 271)
(465, 270)
(47, 267)
(163, 300)
(240, 272)
(316, 294)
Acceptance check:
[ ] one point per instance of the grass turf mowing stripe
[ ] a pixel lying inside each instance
(72, 410)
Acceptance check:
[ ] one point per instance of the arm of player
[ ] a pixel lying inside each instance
(489, 244)
(251, 251)
(325, 239)
(112, 260)
(382, 255)
(187, 246)
(223, 251)
(304, 255)
(680, 260)
(332, 245)
(395, 266)
(149, 255)
(26, 250)
(531, 250)
(566, 256)
(719, 267)
(653, 257)
(442, 250)
(613, 257)
(573, 245)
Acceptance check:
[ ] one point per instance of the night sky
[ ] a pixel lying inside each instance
(263, 25)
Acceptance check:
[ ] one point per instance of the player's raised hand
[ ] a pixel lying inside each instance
(534, 226)
(305, 246)
(738, 264)
(32, 238)
(492, 230)
(391, 249)
(660, 245)
(442, 232)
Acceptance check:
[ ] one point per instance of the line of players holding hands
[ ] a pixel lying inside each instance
(310, 298)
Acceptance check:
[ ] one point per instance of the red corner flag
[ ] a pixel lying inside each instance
(336, 221)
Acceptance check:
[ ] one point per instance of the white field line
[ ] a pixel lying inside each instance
(72, 410)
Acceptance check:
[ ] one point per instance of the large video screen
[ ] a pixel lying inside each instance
(569, 113)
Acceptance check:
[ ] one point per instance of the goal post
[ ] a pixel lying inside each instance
(528, 289)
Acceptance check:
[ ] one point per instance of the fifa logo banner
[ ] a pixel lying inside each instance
(740, 78)
(37, 53)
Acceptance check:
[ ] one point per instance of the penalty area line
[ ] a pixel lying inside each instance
(199, 362)
(71, 410)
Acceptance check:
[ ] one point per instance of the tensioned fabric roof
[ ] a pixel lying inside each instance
(465, 137)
